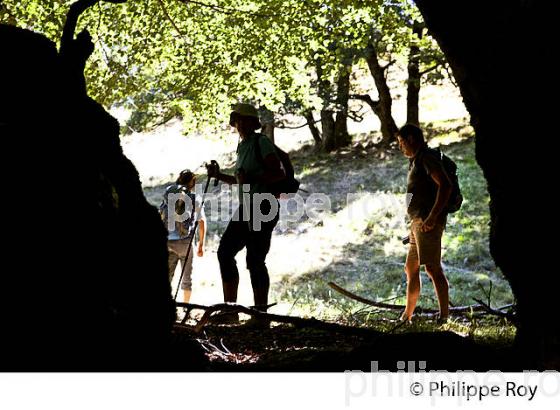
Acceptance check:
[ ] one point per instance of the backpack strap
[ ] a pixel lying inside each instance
(258, 148)
(419, 159)
(193, 200)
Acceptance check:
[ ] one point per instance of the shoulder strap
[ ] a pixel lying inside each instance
(258, 147)
(419, 159)
(190, 195)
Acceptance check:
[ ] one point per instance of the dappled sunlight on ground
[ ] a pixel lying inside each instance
(295, 254)
(322, 245)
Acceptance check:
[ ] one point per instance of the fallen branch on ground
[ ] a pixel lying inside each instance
(293, 320)
(191, 306)
(458, 310)
(498, 311)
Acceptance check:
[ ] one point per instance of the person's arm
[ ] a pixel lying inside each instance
(201, 236)
(214, 172)
(201, 221)
(443, 183)
(228, 179)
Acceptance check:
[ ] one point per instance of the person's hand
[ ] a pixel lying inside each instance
(200, 252)
(428, 224)
(213, 169)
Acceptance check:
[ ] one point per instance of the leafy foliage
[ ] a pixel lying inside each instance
(161, 58)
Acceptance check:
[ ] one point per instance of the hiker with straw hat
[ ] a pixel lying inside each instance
(257, 167)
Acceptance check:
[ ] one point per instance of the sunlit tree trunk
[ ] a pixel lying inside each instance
(267, 120)
(384, 111)
(342, 138)
(327, 127)
(414, 78)
(308, 114)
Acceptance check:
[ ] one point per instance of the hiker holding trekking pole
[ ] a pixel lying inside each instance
(187, 212)
(258, 168)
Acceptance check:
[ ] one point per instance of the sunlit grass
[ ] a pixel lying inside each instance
(373, 264)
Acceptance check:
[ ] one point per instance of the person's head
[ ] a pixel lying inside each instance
(411, 139)
(245, 119)
(186, 178)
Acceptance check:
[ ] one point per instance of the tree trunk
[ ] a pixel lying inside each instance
(102, 302)
(267, 121)
(388, 126)
(325, 91)
(327, 127)
(507, 96)
(414, 77)
(308, 114)
(342, 138)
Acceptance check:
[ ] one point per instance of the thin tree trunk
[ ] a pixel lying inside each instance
(414, 77)
(342, 138)
(388, 125)
(327, 126)
(267, 120)
(308, 114)
(325, 89)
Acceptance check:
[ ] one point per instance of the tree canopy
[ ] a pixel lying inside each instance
(195, 58)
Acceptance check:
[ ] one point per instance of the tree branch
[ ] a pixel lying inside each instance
(74, 12)
(368, 100)
(294, 320)
(382, 305)
(496, 312)
(287, 127)
(389, 64)
(168, 17)
(450, 75)
(227, 10)
(426, 71)
(365, 98)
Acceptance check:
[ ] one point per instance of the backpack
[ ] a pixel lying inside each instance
(456, 198)
(288, 185)
(185, 228)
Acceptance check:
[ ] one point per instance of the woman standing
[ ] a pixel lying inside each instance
(257, 167)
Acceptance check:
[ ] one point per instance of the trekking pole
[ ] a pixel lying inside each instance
(184, 262)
